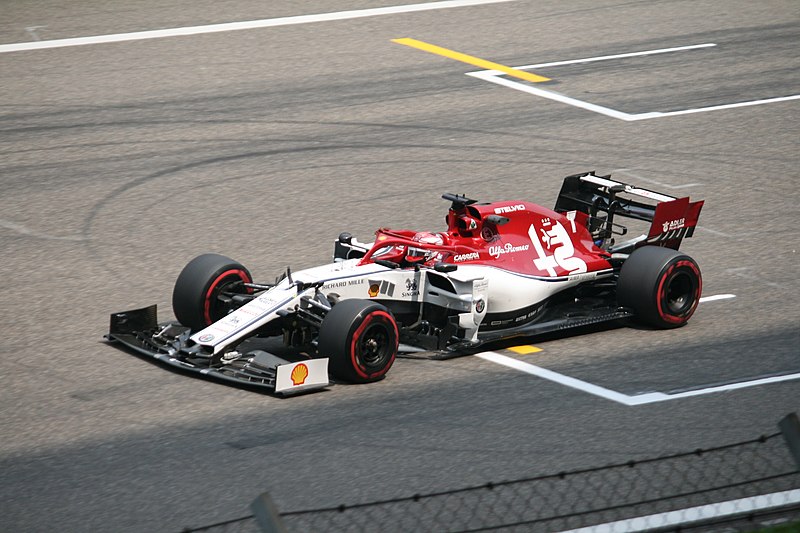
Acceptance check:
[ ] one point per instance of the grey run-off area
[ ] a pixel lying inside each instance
(121, 161)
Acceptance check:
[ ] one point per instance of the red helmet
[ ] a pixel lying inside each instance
(420, 254)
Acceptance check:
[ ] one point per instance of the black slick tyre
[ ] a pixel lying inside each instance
(661, 285)
(360, 338)
(196, 298)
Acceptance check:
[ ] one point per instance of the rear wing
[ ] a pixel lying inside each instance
(602, 199)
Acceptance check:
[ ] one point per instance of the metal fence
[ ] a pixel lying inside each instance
(739, 481)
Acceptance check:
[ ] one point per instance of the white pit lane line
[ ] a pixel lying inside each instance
(625, 399)
(494, 76)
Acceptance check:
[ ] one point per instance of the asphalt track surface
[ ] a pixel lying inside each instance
(120, 162)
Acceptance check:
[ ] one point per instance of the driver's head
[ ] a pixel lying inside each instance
(420, 254)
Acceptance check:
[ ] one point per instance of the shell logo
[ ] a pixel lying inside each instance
(299, 374)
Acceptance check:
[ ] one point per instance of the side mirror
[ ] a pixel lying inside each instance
(386, 263)
(444, 267)
(497, 220)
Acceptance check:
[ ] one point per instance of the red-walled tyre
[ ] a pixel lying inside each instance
(661, 285)
(199, 296)
(360, 338)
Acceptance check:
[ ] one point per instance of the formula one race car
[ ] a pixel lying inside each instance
(500, 270)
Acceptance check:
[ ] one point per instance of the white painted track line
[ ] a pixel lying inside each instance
(614, 396)
(247, 25)
(693, 514)
(494, 76)
(613, 113)
(555, 377)
(550, 95)
(625, 399)
(716, 297)
(646, 116)
(606, 58)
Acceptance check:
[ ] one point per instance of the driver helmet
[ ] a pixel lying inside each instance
(420, 254)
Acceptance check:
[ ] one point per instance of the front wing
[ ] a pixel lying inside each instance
(140, 331)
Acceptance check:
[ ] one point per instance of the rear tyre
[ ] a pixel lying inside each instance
(661, 285)
(198, 299)
(360, 338)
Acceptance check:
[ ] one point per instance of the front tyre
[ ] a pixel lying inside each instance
(360, 338)
(661, 285)
(202, 291)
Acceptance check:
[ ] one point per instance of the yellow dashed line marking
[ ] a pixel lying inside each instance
(471, 60)
(525, 350)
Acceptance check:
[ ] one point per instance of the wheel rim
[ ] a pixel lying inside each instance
(374, 346)
(679, 293)
(213, 308)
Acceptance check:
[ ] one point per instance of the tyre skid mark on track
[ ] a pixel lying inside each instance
(23, 230)
(744, 273)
